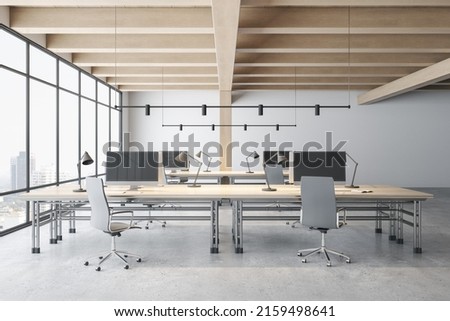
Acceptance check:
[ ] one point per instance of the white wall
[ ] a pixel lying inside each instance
(402, 141)
(148, 129)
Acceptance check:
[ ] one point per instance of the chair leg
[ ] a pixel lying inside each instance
(312, 251)
(323, 249)
(348, 260)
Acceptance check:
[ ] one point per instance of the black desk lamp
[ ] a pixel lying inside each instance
(85, 160)
(183, 157)
(354, 173)
(254, 155)
(280, 159)
(199, 154)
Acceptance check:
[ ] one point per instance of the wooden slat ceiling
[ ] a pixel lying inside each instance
(284, 44)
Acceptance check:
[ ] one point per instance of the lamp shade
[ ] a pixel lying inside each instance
(255, 155)
(181, 157)
(86, 159)
(281, 159)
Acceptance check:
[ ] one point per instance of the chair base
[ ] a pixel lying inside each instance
(322, 249)
(114, 253)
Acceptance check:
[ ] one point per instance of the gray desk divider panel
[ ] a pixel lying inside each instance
(320, 163)
(132, 167)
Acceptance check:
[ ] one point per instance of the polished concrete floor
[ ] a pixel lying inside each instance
(177, 264)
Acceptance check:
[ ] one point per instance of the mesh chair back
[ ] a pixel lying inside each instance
(99, 205)
(274, 174)
(318, 203)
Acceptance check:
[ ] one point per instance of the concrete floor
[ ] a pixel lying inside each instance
(177, 264)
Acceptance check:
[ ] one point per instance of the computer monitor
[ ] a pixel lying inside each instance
(169, 160)
(267, 154)
(320, 163)
(132, 168)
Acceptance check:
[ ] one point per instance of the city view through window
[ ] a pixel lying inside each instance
(45, 104)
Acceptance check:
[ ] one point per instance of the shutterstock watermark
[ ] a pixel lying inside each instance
(216, 151)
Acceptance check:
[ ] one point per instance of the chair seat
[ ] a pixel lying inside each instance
(118, 227)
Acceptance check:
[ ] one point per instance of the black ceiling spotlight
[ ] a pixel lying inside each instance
(203, 110)
(317, 109)
(213, 127)
(278, 127)
(181, 127)
(245, 127)
(147, 110)
(260, 110)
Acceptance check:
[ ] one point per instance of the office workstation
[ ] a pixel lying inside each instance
(202, 119)
(133, 179)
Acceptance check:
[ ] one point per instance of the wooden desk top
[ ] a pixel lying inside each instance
(217, 192)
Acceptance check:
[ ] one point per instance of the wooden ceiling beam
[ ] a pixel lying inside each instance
(298, 43)
(226, 22)
(418, 79)
(111, 20)
(326, 71)
(161, 80)
(338, 58)
(168, 87)
(140, 59)
(107, 3)
(155, 71)
(131, 43)
(344, 3)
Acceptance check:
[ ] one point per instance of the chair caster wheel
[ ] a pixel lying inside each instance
(147, 228)
(86, 263)
(304, 261)
(100, 257)
(98, 269)
(299, 254)
(287, 223)
(164, 225)
(139, 260)
(125, 255)
(126, 267)
(348, 261)
(328, 264)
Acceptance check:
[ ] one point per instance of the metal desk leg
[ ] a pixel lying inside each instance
(59, 221)
(35, 228)
(378, 226)
(52, 224)
(238, 227)
(417, 227)
(400, 223)
(392, 221)
(72, 228)
(214, 246)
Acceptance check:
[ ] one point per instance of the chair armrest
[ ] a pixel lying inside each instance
(123, 212)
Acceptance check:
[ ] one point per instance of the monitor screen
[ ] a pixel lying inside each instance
(268, 154)
(169, 161)
(329, 164)
(132, 167)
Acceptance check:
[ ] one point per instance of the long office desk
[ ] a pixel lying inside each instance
(381, 199)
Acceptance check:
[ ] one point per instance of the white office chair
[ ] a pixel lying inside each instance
(319, 212)
(101, 219)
